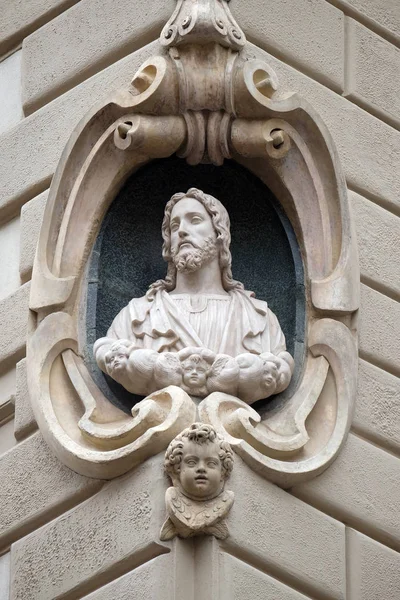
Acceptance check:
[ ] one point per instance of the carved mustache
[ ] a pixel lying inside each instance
(188, 242)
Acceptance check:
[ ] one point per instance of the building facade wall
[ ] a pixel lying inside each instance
(336, 537)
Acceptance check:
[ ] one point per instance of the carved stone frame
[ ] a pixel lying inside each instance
(207, 94)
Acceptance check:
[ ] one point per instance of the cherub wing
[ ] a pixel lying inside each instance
(218, 530)
(168, 531)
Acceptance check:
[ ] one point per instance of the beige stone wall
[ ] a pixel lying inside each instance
(337, 537)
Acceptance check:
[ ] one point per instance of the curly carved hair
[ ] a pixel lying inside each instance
(200, 433)
(196, 359)
(221, 223)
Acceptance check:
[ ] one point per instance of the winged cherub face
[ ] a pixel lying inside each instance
(201, 470)
(116, 358)
(195, 372)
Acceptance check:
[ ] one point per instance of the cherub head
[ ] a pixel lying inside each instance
(199, 461)
(268, 378)
(116, 359)
(195, 371)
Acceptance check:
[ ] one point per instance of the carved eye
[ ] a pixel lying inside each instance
(191, 463)
(212, 464)
(196, 220)
(174, 226)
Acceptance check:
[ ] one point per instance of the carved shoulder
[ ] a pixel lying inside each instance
(135, 312)
(260, 305)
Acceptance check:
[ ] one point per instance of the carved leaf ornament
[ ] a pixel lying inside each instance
(171, 107)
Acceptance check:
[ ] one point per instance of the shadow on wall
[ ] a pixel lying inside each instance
(126, 257)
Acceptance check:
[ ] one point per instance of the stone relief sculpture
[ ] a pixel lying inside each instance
(199, 462)
(204, 93)
(199, 328)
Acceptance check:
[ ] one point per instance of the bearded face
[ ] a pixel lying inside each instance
(189, 258)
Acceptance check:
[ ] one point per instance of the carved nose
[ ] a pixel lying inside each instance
(200, 469)
(182, 232)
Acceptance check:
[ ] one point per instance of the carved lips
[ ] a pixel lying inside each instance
(186, 243)
(201, 479)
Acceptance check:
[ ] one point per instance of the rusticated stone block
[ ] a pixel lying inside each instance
(24, 421)
(271, 27)
(369, 149)
(36, 487)
(373, 66)
(14, 319)
(101, 539)
(378, 237)
(31, 221)
(33, 148)
(361, 488)
(239, 580)
(373, 568)
(7, 438)
(377, 412)
(19, 18)
(151, 581)
(129, 26)
(386, 14)
(272, 528)
(380, 329)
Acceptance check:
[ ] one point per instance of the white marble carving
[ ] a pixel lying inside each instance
(198, 461)
(215, 336)
(207, 95)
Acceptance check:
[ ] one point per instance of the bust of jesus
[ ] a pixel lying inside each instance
(198, 328)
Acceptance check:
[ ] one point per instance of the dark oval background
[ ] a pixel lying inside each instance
(126, 257)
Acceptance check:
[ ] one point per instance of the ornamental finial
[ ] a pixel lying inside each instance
(202, 22)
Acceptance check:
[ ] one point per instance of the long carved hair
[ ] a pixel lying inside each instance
(221, 223)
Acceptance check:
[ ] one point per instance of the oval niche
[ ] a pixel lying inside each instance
(126, 257)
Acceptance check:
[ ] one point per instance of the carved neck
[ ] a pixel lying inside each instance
(206, 280)
(196, 498)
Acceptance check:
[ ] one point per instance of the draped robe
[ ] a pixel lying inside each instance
(160, 324)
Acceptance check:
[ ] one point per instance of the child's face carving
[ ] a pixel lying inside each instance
(194, 374)
(201, 470)
(269, 376)
(117, 358)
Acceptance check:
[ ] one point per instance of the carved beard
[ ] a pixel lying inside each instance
(193, 259)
